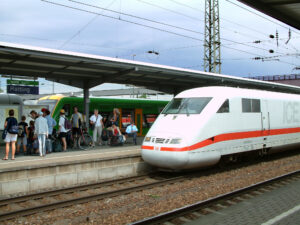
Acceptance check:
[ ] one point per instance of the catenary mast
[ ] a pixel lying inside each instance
(212, 51)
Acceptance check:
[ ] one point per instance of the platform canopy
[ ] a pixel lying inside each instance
(286, 11)
(87, 71)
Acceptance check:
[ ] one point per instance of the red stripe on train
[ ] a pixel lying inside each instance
(228, 137)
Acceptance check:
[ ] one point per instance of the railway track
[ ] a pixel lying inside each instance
(202, 208)
(39, 202)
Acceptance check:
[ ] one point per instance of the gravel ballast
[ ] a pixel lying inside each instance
(136, 206)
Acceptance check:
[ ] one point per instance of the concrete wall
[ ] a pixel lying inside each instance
(22, 181)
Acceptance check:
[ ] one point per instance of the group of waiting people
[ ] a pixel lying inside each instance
(108, 131)
(40, 129)
(32, 137)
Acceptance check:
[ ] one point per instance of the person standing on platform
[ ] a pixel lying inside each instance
(41, 131)
(33, 114)
(62, 129)
(30, 140)
(50, 121)
(131, 131)
(116, 117)
(22, 135)
(76, 121)
(96, 126)
(11, 126)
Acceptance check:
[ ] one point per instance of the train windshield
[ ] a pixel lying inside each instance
(186, 105)
(51, 103)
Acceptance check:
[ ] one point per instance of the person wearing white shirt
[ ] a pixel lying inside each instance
(131, 131)
(62, 130)
(97, 125)
(41, 130)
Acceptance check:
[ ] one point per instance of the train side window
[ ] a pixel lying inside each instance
(246, 105)
(255, 106)
(224, 107)
(127, 116)
(150, 118)
(250, 105)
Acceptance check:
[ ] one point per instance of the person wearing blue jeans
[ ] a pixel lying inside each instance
(131, 131)
(41, 131)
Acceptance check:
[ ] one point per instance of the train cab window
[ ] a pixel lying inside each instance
(250, 105)
(224, 107)
(67, 109)
(186, 105)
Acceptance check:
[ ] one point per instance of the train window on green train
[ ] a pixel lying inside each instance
(224, 107)
(149, 119)
(127, 116)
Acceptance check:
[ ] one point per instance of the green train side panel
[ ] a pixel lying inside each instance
(106, 105)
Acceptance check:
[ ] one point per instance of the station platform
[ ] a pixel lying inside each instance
(280, 206)
(32, 174)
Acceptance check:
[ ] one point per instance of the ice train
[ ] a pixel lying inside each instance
(201, 125)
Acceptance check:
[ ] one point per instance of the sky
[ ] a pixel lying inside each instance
(174, 29)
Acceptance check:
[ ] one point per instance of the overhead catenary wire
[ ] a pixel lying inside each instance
(137, 17)
(165, 24)
(72, 42)
(257, 14)
(198, 19)
(223, 19)
(83, 27)
(128, 21)
(148, 26)
(194, 18)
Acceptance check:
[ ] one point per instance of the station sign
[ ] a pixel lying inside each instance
(23, 82)
(18, 89)
(22, 87)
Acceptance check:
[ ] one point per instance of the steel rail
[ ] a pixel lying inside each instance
(92, 197)
(196, 206)
(67, 190)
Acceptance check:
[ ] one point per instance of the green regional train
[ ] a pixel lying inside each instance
(143, 111)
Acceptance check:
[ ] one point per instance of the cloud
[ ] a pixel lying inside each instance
(42, 24)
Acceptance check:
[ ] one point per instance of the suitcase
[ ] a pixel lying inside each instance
(48, 145)
(56, 146)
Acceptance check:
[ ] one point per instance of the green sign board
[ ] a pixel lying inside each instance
(22, 82)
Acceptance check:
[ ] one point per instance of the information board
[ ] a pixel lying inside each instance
(18, 89)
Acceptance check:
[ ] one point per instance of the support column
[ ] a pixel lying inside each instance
(86, 105)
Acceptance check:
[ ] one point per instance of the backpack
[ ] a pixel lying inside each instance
(21, 131)
(68, 124)
(12, 126)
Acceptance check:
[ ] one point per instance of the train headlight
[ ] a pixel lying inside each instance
(147, 139)
(176, 141)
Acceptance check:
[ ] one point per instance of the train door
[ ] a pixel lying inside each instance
(265, 118)
(139, 120)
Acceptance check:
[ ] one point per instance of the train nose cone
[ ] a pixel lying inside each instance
(165, 159)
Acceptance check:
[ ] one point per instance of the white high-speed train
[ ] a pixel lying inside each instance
(201, 125)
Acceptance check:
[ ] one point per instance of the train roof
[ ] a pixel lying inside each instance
(60, 97)
(11, 99)
(230, 92)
